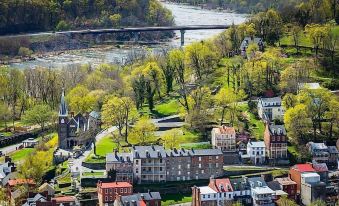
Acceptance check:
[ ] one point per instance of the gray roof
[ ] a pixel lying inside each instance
(63, 107)
(33, 200)
(153, 151)
(95, 114)
(270, 100)
(255, 182)
(274, 129)
(5, 169)
(249, 40)
(140, 196)
(332, 149)
(318, 146)
(119, 157)
(193, 152)
(274, 185)
(204, 152)
(239, 184)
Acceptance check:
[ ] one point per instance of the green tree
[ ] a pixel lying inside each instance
(5, 114)
(119, 111)
(318, 33)
(318, 203)
(297, 122)
(285, 201)
(177, 62)
(171, 138)
(40, 114)
(80, 99)
(143, 131)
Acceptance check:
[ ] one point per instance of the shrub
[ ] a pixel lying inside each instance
(62, 26)
(25, 52)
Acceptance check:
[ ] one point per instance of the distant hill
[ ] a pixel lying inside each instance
(18, 16)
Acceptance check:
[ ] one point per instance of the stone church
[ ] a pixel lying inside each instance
(76, 130)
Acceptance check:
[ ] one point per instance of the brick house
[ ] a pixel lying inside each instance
(107, 192)
(224, 138)
(296, 171)
(289, 186)
(275, 141)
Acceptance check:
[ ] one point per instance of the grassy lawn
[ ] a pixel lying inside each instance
(198, 145)
(21, 154)
(171, 199)
(105, 145)
(256, 126)
(66, 179)
(168, 108)
(93, 174)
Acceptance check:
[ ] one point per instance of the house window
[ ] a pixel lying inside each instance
(136, 162)
(111, 198)
(106, 198)
(199, 158)
(137, 170)
(203, 196)
(188, 166)
(217, 157)
(199, 165)
(125, 190)
(179, 167)
(179, 172)
(202, 171)
(121, 190)
(106, 191)
(216, 165)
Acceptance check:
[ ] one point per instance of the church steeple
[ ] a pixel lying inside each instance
(63, 107)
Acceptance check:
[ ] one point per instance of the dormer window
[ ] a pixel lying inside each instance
(221, 187)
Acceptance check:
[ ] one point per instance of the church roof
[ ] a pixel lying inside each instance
(63, 106)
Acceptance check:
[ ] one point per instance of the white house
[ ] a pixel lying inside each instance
(270, 108)
(256, 152)
(218, 192)
(261, 194)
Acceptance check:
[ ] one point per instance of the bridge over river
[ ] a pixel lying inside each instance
(132, 30)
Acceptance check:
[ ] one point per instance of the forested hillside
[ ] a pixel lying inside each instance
(39, 15)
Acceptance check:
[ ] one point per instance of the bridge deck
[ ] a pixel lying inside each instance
(122, 30)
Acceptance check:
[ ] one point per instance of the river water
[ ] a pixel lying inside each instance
(183, 15)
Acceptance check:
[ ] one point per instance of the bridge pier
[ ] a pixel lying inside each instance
(182, 37)
(136, 36)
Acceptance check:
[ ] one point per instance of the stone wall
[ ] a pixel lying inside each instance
(94, 166)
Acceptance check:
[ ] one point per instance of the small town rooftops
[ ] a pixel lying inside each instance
(119, 157)
(95, 114)
(270, 102)
(64, 199)
(311, 174)
(303, 167)
(263, 190)
(206, 190)
(332, 150)
(141, 196)
(20, 182)
(256, 144)
(239, 184)
(256, 182)
(224, 130)
(318, 146)
(113, 184)
(285, 181)
(277, 130)
(221, 185)
(320, 167)
(153, 151)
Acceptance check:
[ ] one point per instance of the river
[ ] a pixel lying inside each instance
(183, 15)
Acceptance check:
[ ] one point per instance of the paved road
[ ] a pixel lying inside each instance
(77, 162)
(11, 148)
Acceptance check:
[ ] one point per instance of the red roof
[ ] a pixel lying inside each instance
(20, 182)
(62, 199)
(304, 168)
(113, 184)
(142, 203)
(221, 185)
(226, 130)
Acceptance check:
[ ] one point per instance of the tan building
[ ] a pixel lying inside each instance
(223, 138)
